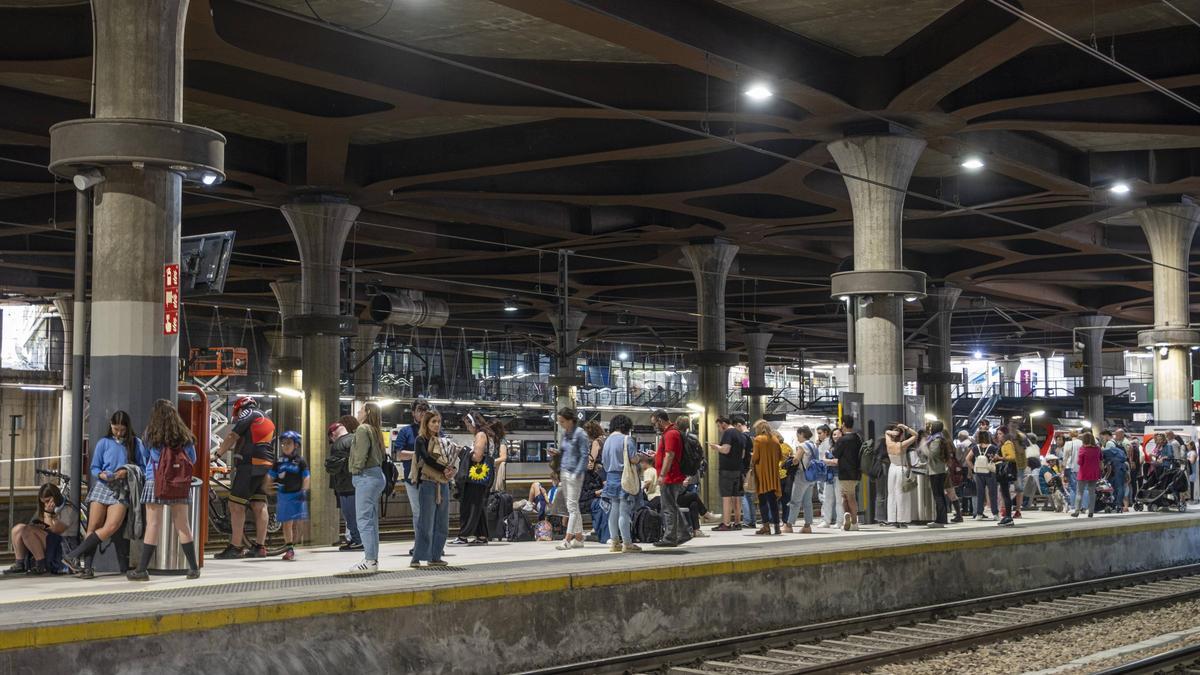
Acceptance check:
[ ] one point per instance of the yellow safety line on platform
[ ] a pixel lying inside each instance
(159, 624)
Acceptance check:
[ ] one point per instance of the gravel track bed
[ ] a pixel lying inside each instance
(1049, 648)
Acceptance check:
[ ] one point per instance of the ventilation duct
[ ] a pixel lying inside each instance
(409, 308)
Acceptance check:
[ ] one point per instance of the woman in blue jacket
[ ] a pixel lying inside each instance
(108, 495)
(166, 430)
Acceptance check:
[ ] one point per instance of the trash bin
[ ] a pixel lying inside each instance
(168, 557)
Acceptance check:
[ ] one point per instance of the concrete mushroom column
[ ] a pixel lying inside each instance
(938, 379)
(1169, 229)
(138, 69)
(878, 169)
(710, 265)
(285, 353)
(756, 355)
(1093, 390)
(320, 224)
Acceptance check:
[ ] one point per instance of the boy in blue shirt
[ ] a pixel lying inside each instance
(290, 473)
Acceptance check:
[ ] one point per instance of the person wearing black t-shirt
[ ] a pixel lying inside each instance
(747, 501)
(730, 452)
(847, 461)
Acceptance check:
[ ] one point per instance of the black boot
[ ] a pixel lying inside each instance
(140, 574)
(87, 548)
(957, 512)
(189, 552)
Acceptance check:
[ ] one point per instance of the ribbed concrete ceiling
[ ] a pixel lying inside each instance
(469, 184)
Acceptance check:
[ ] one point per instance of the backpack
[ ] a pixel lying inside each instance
(517, 527)
(173, 475)
(647, 525)
(815, 470)
(870, 459)
(498, 509)
(953, 468)
(693, 455)
(390, 475)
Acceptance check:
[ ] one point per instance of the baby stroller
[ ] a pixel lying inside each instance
(1166, 487)
(1105, 500)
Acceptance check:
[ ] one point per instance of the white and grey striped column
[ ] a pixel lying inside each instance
(878, 210)
(320, 224)
(938, 379)
(138, 74)
(756, 357)
(1169, 229)
(285, 353)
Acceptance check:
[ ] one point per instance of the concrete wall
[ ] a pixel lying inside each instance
(542, 622)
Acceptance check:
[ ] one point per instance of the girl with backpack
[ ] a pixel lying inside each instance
(982, 460)
(166, 438)
(810, 472)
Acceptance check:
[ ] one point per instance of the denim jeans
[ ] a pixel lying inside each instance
(368, 486)
(1118, 482)
(350, 515)
(414, 503)
(620, 517)
(600, 520)
(1072, 486)
(675, 528)
(1086, 496)
(985, 484)
(802, 496)
(748, 509)
(572, 485)
(434, 525)
(831, 504)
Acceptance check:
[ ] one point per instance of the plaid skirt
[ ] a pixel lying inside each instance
(100, 493)
(148, 494)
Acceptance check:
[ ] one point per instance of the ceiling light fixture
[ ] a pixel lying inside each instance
(208, 178)
(86, 179)
(1119, 188)
(910, 298)
(695, 407)
(759, 91)
(510, 304)
(623, 356)
(978, 354)
(972, 163)
(289, 392)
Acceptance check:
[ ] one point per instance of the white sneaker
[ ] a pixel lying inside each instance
(563, 546)
(577, 544)
(699, 533)
(364, 567)
(846, 521)
(824, 523)
(854, 527)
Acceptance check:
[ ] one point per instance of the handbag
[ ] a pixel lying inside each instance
(910, 481)
(814, 471)
(631, 483)
(750, 482)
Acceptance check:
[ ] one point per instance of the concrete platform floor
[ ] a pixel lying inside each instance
(314, 574)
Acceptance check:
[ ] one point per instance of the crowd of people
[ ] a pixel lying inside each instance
(763, 481)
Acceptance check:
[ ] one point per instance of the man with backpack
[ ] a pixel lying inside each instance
(251, 439)
(847, 459)
(667, 461)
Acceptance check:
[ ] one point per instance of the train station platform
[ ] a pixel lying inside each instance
(514, 606)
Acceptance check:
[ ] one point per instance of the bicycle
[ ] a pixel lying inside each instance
(218, 507)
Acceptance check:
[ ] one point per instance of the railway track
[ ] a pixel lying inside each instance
(854, 644)
(1182, 660)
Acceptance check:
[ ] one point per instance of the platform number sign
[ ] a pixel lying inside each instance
(171, 299)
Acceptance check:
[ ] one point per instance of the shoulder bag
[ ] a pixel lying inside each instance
(631, 483)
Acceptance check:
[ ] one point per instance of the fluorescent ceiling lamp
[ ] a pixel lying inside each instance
(1037, 413)
(695, 407)
(289, 392)
(1119, 188)
(34, 387)
(759, 91)
(510, 405)
(438, 401)
(930, 417)
(972, 163)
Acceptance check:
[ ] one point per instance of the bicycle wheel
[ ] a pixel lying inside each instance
(218, 512)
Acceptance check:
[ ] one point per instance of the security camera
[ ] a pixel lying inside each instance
(87, 179)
